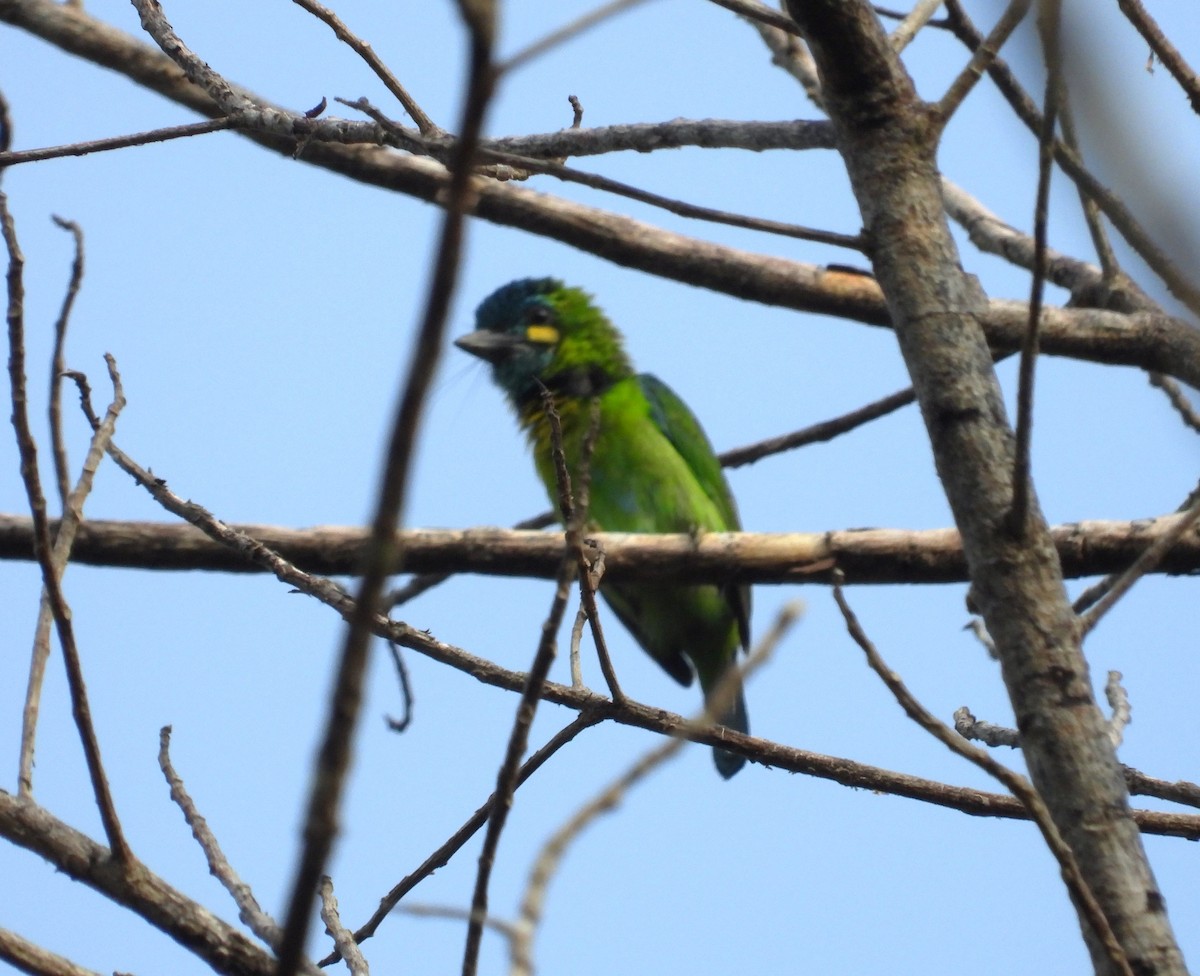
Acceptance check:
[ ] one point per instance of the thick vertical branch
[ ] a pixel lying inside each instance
(887, 138)
(333, 759)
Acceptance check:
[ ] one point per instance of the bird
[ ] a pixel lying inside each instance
(652, 469)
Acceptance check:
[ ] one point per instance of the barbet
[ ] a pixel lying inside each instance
(652, 469)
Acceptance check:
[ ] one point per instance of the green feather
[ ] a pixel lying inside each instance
(652, 468)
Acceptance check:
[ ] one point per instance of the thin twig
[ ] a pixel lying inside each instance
(455, 914)
(681, 208)
(117, 142)
(518, 740)
(1110, 267)
(1163, 49)
(1110, 204)
(913, 21)
(406, 696)
(58, 362)
(762, 14)
(1179, 791)
(1144, 564)
(551, 854)
(520, 167)
(5, 128)
(64, 541)
(576, 639)
(983, 56)
(1020, 787)
(1179, 400)
(969, 727)
(29, 957)
(977, 627)
(826, 430)
(81, 710)
(441, 857)
(364, 50)
(591, 564)
(249, 911)
(71, 514)
(27, 449)
(1122, 712)
(565, 33)
(347, 948)
(1048, 26)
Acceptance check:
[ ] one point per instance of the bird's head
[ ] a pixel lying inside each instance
(538, 333)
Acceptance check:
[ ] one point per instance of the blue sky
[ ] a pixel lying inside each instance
(261, 312)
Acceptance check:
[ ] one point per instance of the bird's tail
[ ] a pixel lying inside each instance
(736, 718)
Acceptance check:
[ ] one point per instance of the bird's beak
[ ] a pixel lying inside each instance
(489, 346)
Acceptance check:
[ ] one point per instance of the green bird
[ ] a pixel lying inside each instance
(652, 469)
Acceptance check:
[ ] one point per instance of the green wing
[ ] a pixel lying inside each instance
(680, 426)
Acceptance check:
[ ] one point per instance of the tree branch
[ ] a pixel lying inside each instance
(133, 886)
(1154, 342)
(1087, 548)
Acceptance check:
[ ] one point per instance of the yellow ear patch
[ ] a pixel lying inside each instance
(542, 334)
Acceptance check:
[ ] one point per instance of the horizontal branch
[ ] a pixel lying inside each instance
(864, 555)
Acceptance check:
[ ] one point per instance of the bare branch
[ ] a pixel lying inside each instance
(441, 857)
(983, 55)
(249, 910)
(342, 939)
(1153, 342)
(31, 958)
(552, 851)
(334, 757)
(1118, 701)
(511, 166)
(589, 561)
(827, 430)
(117, 142)
(1164, 50)
(1089, 286)
(1179, 400)
(58, 363)
(565, 33)
(43, 550)
(1150, 557)
(132, 885)
(969, 727)
(64, 539)
(1017, 583)
(760, 13)
(1180, 791)
(1084, 548)
(1048, 20)
(1081, 894)
(920, 15)
(364, 50)
(1109, 203)
(573, 515)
